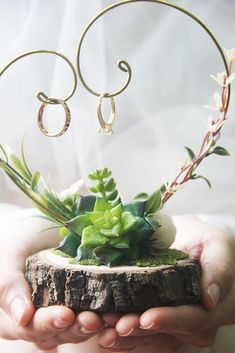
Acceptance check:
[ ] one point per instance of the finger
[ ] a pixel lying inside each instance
(47, 324)
(218, 270)
(51, 320)
(107, 338)
(85, 326)
(15, 296)
(182, 319)
(90, 322)
(127, 324)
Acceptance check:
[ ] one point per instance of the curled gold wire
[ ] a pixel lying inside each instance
(124, 65)
(40, 95)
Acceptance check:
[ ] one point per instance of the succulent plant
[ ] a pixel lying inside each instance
(94, 226)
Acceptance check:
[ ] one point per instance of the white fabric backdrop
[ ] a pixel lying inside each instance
(159, 113)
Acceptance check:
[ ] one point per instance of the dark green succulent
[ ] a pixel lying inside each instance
(107, 230)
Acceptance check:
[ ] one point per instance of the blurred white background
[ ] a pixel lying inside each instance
(160, 112)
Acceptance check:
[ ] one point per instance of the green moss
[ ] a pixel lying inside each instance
(87, 262)
(162, 257)
(73, 262)
(61, 253)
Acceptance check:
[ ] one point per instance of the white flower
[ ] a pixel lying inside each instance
(215, 125)
(218, 103)
(222, 79)
(230, 53)
(164, 236)
(73, 191)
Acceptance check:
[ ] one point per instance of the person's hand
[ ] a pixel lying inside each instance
(51, 327)
(47, 327)
(171, 327)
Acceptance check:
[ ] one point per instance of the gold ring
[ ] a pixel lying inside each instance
(66, 123)
(106, 126)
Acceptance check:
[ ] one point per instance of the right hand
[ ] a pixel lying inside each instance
(164, 329)
(46, 327)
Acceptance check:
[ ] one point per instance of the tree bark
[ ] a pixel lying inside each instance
(102, 289)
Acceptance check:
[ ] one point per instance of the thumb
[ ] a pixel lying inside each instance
(218, 270)
(15, 294)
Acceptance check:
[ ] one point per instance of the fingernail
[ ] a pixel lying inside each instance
(84, 330)
(126, 334)
(214, 293)
(59, 323)
(154, 326)
(110, 345)
(17, 309)
(107, 340)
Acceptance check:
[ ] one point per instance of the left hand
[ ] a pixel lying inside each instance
(164, 329)
(46, 327)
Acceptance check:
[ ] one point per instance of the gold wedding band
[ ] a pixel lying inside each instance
(66, 123)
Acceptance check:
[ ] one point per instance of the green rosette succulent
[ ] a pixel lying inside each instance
(108, 230)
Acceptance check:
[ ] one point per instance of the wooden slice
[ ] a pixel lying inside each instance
(54, 281)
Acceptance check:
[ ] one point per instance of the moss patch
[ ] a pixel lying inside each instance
(162, 257)
(86, 262)
(61, 253)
